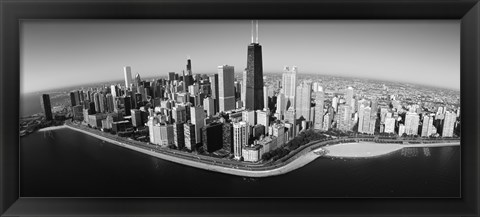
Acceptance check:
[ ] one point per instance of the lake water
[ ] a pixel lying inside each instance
(71, 164)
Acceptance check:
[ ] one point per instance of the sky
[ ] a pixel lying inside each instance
(62, 53)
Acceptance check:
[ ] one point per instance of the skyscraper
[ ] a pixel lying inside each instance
(349, 98)
(449, 124)
(303, 100)
(360, 118)
(197, 115)
(425, 126)
(411, 123)
(319, 101)
(289, 85)
(102, 102)
(189, 66)
(281, 104)
(109, 102)
(389, 125)
(366, 120)
(214, 86)
(209, 106)
(265, 96)
(136, 117)
(240, 138)
(179, 135)
(344, 117)
(211, 137)
(46, 106)
(226, 93)
(263, 117)
(253, 81)
(127, 71)
(189, 134)
(73, 101)
(179, 114)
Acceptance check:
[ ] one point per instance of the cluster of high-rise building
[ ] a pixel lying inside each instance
(243, 118)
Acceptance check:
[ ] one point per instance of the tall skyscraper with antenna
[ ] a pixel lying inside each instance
(189, 65)
(253, 77)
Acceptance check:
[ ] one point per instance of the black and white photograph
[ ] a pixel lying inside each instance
(240, 108)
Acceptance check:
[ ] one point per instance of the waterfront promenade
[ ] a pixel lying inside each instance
(296, 160)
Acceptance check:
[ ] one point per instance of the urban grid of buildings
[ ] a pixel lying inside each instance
(247, 118)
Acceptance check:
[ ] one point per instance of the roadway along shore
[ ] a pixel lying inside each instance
(358, 149)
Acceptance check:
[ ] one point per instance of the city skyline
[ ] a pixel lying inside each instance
(430, 49)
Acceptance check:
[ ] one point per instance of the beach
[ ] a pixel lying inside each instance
(372, 149)
(51, 128)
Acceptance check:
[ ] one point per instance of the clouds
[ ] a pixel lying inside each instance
(66, 53)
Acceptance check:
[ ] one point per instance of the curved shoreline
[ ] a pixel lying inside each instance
(295, 164)
(342, 150)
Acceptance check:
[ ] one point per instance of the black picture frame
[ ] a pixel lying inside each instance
(12, 11)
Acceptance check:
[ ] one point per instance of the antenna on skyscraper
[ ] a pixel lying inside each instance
(252, 31)
(256, 41)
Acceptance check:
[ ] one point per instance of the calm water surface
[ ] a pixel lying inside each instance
(71, 164)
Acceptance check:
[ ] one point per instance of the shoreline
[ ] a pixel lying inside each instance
(343, 150)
